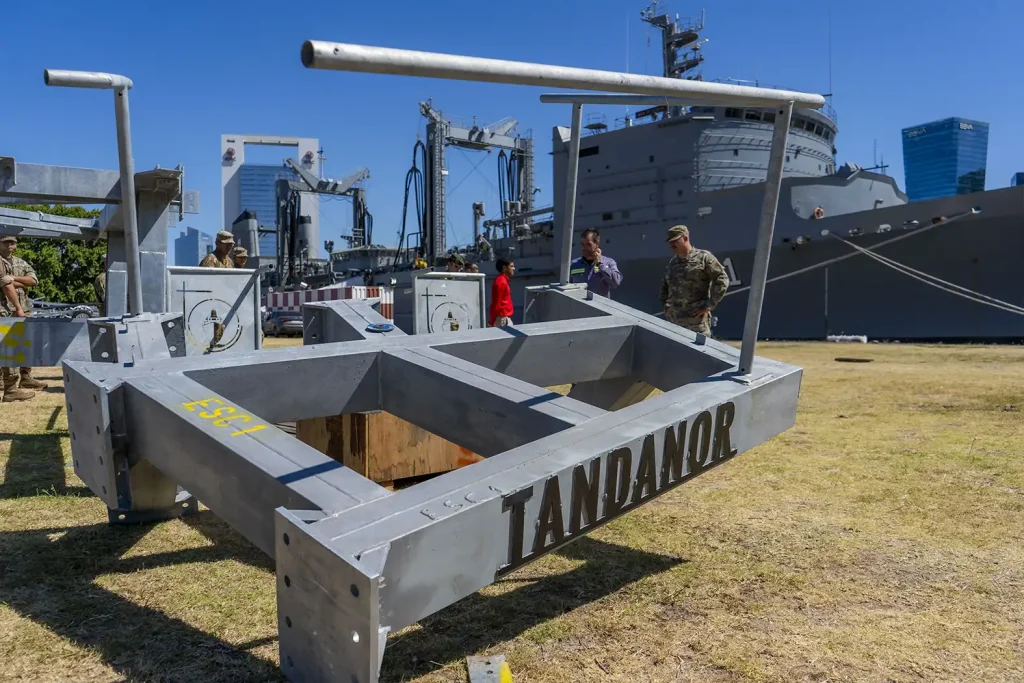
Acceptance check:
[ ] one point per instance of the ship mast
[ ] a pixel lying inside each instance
(680, 45)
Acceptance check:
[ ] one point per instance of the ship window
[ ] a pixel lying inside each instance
(787, 157)
(607, 216)
(651, 158)
(732, 113)
(590, 151)
(735, 152)
(769, 116)
(625, 214)
(818, 130)
(827, 134)
(679, 193)
(752, 115)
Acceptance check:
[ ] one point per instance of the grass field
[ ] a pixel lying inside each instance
(880, 539)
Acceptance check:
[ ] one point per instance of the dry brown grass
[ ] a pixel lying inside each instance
(878, 540)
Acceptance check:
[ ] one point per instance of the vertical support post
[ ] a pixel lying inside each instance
(572, 171)
(765, 232)
(131, 226)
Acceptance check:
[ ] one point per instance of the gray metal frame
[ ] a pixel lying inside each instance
(355, 561)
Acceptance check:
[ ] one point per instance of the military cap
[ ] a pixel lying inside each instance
(8, 238)
(456, 257)
(225, 236)
(239, 251)
(677, 231)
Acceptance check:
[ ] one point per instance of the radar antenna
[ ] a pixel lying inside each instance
(677, 35)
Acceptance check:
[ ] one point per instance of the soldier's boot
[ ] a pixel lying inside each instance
(11, 391)
(30, 382)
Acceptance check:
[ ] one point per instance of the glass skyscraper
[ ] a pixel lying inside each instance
(258, 194)
(191, 247)
(945, 158)
(1017, 179)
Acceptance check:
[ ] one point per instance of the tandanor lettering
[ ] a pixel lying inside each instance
(688, 451)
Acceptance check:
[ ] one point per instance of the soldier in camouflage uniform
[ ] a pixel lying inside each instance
(693, 285)
(22, 276)
(221, 256)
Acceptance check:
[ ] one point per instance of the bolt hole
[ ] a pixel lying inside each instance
(355, 637)
(172, 349)
(104, 355)
(490, 671)
(101, 459)
(121, 517)
(169, 325)
(355, 590)
(104, 490)
(288, 620)
(70, 409)
(286, 539)
(184, 505)
(73, 437)
(287, 581)
(97, 429)
(95, 400)
(76, 463)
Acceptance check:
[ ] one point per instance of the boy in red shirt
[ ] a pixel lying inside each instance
(501, 295)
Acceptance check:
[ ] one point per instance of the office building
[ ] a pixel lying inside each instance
(1017, 179)
(191, 247)
(945, 158)
(252, 187)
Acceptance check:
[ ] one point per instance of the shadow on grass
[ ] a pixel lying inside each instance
(52, 583)
(478, 622)
(35, 465)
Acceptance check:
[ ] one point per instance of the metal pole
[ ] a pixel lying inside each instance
(120, 85)
(131, 226)
(318, 54)
(765, 231)
(572, 170)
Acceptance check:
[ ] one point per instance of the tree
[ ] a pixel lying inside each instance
(65, 268)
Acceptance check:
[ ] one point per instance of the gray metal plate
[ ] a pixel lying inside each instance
(221, 308)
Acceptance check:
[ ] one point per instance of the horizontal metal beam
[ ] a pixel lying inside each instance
(36, 224)
(85, 79)
(236, 463)
(25, 342)
(38, 183)
(481, 410)
(318, 54)
(611, 99)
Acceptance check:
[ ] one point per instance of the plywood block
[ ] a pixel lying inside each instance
(382, 447)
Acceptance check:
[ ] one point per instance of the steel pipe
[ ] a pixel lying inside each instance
(120, 86)
(318, 54)
(572, 171)
(85, 79)
(615, 99)
(765, 232)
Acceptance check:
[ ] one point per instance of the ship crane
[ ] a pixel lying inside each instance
(289, 221)
(515, 170)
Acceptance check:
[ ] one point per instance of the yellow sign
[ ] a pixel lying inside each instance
(224, 416)
(13, 342)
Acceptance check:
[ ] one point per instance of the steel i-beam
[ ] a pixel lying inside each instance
(356, 562)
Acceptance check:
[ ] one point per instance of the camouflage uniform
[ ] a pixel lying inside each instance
(16, 267)
(99, 285)
(690, 284)
(211, 260)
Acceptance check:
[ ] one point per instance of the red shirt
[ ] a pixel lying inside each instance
(501, 299)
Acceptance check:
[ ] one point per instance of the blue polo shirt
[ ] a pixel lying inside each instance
(601, 278)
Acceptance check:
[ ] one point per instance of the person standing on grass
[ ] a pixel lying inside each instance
(17, 274)
(694, 283)
(501, 295)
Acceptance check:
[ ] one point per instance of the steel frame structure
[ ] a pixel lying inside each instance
(355, 561)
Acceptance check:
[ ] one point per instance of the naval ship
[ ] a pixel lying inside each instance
(851, 255)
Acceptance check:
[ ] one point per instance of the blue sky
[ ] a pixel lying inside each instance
(206, 68)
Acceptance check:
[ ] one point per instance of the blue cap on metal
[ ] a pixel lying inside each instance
(379, 327)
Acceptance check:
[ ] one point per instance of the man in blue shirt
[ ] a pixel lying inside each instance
(600, 272)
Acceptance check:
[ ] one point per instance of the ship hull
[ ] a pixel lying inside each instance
(841, 291)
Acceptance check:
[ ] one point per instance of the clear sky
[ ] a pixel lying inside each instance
(206, 68)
